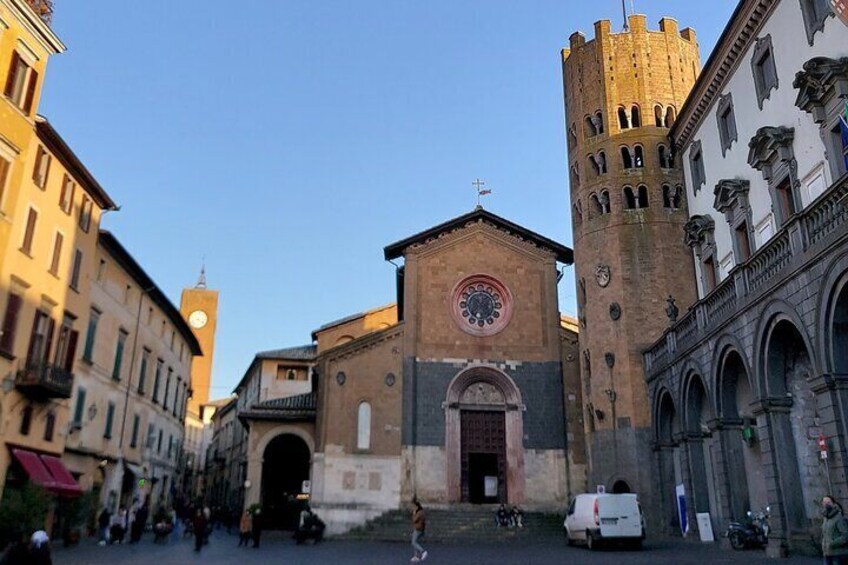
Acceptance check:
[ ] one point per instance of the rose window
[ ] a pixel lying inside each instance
(481, 305)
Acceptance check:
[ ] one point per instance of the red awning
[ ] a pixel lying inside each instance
(35, 468)
(65, 484)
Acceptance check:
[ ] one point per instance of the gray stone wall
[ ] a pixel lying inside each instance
(426, 386)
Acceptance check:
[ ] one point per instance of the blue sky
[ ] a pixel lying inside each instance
(288, 142)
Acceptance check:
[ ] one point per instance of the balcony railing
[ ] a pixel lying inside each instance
(805, 234)
(43, 9)
(45, 381)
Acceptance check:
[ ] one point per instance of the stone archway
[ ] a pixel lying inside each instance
(790, 406)
(697, 413)
(741, 451)
(286, 465)
(666, 431)
(484, 436)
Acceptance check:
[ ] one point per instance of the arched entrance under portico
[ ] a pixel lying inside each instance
(286, 465)
(483, 437)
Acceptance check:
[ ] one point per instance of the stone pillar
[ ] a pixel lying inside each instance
(831, 392)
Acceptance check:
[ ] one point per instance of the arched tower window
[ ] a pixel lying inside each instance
(629, 198)
(658, 116)
(635, 120)
(602, 162)
(672, 196)
(664, 156)
(572, 135)
(642, 197)
(623, 121)
(578, 213)
(639, 157)
(575, 176)
(599, 121)
(589, 125)
(363, 428)
(604, 199)
(597, 209)
(626, 158)
(595, 165)
(669, 116)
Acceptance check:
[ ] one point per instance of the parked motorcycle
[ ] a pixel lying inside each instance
(752, 534)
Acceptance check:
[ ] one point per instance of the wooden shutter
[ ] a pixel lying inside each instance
(32, 340)
(4, 174)
(72, 351)
(10, 323)
(10, 78)
(30, 96)
(30, 230)
(48, 343)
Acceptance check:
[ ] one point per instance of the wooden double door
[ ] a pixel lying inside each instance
(483, 456)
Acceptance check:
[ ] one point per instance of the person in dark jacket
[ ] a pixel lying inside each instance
(834, 533)
(257, 527)
(39, 549)
(199, 525)
(103, 523)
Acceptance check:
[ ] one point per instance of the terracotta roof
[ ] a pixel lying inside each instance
(289, 408)
(299, 353)
(563, 253)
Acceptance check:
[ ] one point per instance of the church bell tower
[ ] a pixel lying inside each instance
(622, 93)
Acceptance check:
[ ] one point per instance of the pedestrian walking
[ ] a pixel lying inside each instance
(119, 526)
(199, 524)
(209, 521)
(103, 523)
(256, 527)
(244, 529)
(834, 533)
(419, 525)
(39, 549)
(175, 524)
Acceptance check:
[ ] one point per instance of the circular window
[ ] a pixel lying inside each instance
(481, 305)
(341, 378)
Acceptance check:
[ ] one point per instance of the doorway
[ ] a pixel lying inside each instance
(483, 453)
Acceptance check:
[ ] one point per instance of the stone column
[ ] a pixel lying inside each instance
(831, 392)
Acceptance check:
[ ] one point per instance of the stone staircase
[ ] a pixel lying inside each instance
(460, 524)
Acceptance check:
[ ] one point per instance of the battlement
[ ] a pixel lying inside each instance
(637, 25)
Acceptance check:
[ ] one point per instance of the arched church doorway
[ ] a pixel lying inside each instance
(285, 465)
(667, 430)
(484, 438)
(621, 487)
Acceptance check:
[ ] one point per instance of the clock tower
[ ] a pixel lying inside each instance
(199, 306)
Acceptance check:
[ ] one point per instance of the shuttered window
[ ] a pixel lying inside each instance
(57, 253)
(29, 232)
(10, 324)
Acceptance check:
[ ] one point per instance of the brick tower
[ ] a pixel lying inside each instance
(622, 92)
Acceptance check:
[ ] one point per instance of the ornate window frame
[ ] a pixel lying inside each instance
(696, 166)
(759, 66)
(726, 118)
(814, 17)
(731, 199)
(771, 152)
(700, 236)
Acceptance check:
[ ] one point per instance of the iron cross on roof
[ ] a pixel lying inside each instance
(481, 191)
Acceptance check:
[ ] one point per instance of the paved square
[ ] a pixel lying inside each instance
(277, 548)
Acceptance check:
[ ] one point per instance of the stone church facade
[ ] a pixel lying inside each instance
(464, 391)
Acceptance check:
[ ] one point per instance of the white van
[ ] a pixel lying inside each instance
(593, 518)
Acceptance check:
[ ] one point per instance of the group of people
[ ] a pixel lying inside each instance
(113, 528)
(513, 518)
(32, 551)
(250, 527)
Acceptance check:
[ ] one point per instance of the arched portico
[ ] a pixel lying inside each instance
(484, 436)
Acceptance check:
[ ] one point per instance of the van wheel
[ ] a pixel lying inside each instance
(637, 545)
(568, 540)
(590, 541)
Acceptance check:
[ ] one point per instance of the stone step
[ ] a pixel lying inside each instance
(459, 525)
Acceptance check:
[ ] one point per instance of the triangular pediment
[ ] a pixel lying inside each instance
(477, 217)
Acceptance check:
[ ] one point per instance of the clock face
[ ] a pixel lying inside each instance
(198, 319)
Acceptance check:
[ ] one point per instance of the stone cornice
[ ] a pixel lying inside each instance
(737, 37)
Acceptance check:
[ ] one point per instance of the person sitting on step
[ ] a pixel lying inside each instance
(516, 517)
(502, 517)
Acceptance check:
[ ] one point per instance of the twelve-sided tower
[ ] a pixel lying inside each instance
(622, 92)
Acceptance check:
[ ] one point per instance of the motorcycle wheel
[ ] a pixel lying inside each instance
(737, 541)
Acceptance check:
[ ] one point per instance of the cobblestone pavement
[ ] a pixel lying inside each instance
(277, 548)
